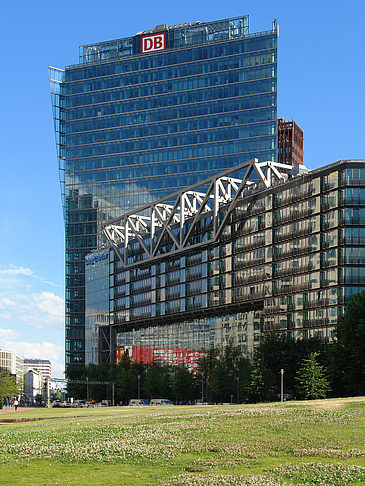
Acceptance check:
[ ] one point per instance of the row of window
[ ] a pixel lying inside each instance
(174, 86)
(216, 122)
(170, 73)
(169, 100)
(164, 59)
(173, 113)
(142, 148)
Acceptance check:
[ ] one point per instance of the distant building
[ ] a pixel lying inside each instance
(12, 363)
(41, 365)
(33, 384)
(290, 143)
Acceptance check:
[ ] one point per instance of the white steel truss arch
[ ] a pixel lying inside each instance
(175, 217)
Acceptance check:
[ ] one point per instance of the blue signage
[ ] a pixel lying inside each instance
(96, 258)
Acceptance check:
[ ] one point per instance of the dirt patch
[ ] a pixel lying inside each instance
(33, 419)
(334, 403)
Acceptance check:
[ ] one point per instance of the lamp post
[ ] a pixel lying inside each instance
(139, 386)
(202, 387)
(281, 385)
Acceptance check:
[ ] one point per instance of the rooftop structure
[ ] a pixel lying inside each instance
(290, 143)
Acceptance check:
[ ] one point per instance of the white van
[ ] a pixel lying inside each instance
(160, 401)
(138, 402)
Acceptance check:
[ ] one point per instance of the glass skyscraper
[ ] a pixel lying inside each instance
(142, 116)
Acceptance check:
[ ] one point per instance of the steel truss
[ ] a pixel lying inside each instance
(174, 218)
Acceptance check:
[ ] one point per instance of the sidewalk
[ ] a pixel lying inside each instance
(12, 409)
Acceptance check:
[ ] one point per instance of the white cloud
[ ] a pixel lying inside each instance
(5, 302)
(49, 303)
(8, 333)
(13, 270)
(28, 308)
(43, 309)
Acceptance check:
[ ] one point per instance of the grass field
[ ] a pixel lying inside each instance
(295, 443)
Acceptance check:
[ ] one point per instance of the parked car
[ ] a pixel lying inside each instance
(138, 402)
(160, 401)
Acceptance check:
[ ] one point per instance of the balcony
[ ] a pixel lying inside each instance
(247, 264)
(193, 307)
(249, 247)
(312, 323)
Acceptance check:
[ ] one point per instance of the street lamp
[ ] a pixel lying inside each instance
(281, 385)
(202, 387)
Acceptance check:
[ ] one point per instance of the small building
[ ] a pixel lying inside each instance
(33, 385)
(41, 365)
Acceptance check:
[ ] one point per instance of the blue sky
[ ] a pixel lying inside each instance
(321, 86)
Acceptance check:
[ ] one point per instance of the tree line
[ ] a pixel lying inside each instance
(312, 369)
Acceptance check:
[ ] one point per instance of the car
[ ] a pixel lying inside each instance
(138, 402)
(160, 401)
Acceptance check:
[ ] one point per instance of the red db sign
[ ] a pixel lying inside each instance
(155, 42)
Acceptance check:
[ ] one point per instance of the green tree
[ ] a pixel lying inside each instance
(182, 385)
(8, 385)
(135, 384)
(156, 382)
(279, 351)
(221, 383)
(349, 353)
(76, 390)
(312, 382)
(121, 389)
(258, 385)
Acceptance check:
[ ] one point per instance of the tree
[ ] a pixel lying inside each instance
(258, 386)
(349, 353)
(121, 390)
(221, 383)
(8, 385)
(156, 383)
(281, 352)
(182, 385)
(76, 390)
(311, 379)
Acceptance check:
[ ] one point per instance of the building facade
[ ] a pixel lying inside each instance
(12, 363)
(33, 385)
(290, 143)
(40, 365)
(139, 117)
(282, 252)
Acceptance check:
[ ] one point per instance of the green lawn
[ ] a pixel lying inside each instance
(295, 443)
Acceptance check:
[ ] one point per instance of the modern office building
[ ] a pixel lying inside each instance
(12, 363)
(41, 365)
(33, 385)
(290, 143)
(142, 116)
(261, 248)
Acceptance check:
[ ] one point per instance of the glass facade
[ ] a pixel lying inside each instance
(96, 302)
(132, 127)
(288, 260)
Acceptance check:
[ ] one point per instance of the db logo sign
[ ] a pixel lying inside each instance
(155, 42)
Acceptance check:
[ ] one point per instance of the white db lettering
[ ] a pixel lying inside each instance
(153, 43)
